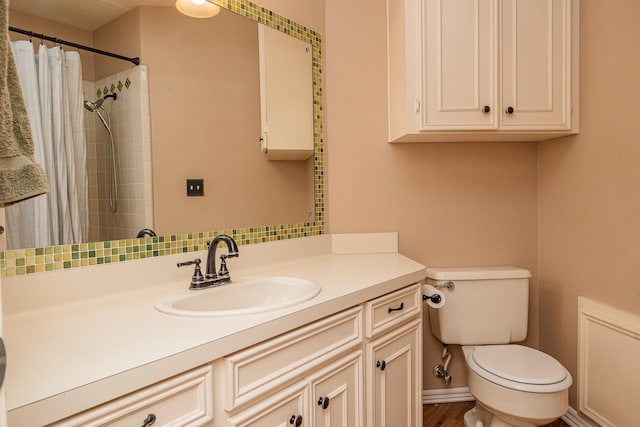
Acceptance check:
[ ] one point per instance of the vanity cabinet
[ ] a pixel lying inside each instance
(280, 381)
(184, 400)
(360, 366)
(485, 70)
(394, 359)
(320, 374)
(331, 397)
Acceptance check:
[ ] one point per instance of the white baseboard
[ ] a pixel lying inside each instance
(572, 418)
(446, 395)
(462, 394)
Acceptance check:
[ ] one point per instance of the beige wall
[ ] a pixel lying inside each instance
(122, 36)
(589, 185)
(453, 204)
(205, 123)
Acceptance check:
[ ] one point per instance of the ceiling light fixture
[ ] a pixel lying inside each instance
(197, 8)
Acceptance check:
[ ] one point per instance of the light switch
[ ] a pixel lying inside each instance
(195, 187)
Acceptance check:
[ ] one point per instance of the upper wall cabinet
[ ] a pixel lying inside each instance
(482, 70)
(286, 95)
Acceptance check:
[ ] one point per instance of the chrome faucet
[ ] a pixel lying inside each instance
(211, 278)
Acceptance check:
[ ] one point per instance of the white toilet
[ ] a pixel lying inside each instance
(484, 311)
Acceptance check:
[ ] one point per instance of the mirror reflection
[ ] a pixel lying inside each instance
(190, 111)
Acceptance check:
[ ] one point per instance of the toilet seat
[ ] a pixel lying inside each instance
(519, 368)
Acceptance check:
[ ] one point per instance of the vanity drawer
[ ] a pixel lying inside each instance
(388, 311)
(183, 400)
(268, 365)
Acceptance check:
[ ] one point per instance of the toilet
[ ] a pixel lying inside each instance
(485, 310)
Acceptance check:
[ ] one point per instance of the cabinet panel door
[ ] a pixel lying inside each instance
(394, 374)
(280, 410)
(536, 64)
(336, 393)
(460, 42)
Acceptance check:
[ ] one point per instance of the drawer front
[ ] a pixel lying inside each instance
(266, 366)
(185, 400)
(388, 311)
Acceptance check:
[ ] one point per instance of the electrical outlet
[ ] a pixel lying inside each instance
(195, 187)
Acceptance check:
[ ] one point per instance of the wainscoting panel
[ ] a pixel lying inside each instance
(608, 370)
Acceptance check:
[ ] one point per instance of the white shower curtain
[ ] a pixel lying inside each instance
(52, 87)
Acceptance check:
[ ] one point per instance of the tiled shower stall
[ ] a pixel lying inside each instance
(131, 128)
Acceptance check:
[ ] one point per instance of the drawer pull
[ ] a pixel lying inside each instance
(324, 402)
(297, 420)
(151, 418)
(400, 307)
(381, 365)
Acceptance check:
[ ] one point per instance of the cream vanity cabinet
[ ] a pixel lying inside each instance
(327, 374)
(394, 359)
(361, 366)
(310, 376)
(483, 70)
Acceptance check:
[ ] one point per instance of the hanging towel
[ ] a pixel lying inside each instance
(20, 176)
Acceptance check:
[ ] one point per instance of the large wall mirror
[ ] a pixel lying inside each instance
(191, 110)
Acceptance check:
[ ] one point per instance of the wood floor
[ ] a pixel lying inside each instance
(452, 415)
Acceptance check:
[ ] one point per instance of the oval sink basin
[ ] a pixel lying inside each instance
(243, 296)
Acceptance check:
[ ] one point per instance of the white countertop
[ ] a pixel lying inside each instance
(77, 353)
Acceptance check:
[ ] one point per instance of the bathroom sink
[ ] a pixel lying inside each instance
(246, 295)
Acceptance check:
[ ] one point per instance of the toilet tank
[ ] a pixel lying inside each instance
(488, 305)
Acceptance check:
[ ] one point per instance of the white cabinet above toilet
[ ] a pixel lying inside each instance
(490, 70)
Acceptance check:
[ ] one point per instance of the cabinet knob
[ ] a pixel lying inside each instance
(381, 365)
(296, 420)
(151, 418)
(486, 109)
(509, 110)
(324, 402)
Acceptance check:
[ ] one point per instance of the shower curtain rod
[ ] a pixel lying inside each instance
(31, 34)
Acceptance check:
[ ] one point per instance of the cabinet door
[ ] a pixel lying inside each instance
(336, 393)
(536, 64)
(394, 374)
(286, 95)
(460, 82)
(289, 408)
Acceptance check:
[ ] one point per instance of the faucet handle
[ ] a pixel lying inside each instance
(197, 279)
(224, 271)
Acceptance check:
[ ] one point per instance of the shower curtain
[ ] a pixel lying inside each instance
(51, 84)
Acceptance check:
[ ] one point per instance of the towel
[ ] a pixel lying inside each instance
(21, 177)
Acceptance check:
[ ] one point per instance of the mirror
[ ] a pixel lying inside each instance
(191, 107)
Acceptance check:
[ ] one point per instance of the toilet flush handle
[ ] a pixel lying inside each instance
(449, 285)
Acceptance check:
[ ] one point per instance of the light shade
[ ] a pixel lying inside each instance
(197, 8)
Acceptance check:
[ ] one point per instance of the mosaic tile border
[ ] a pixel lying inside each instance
(36, 260)
(112, 89)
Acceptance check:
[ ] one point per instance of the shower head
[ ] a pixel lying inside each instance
(93, 106)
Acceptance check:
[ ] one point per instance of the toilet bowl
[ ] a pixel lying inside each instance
(485, 311)
(515, 386)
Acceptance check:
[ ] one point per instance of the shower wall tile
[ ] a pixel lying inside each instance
(131, 128)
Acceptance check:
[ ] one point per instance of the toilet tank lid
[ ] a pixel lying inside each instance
(477, 273)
